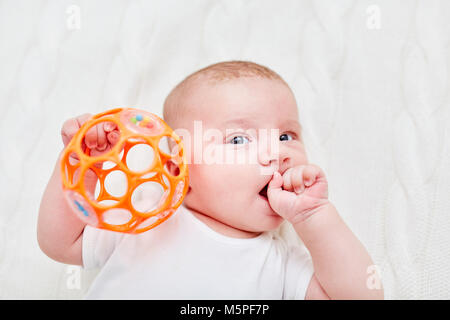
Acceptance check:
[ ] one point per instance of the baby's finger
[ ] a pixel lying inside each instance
(287, 180)
(91, 138)
(102, 143)
(97, 152)
(293, 179)
(275, 185)
(113, 137)
(81, 120)
(297, 179)
(310, 174)
(109, 126)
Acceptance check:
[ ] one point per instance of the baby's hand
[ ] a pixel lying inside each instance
(299, 193)
(99, 139)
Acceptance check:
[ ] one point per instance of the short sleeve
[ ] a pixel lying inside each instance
(299, 271)
(97, 246)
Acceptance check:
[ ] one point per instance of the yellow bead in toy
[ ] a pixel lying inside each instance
(136, 128)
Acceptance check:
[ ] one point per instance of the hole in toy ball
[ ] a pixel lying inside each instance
(172, 168)
(108, 165)
(140, 157)
(146, 196)
(107, 203)
(73, 158)
(148, 175)
(71, 168)
(97, 190)
(90, 181)
(166, 180)
(68, 173)
(136, 140)
(117, 216)
(116, 183)
(168, 146)
(75, 176)
(121, 154)
(178, 193)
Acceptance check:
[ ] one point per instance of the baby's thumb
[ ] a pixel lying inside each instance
(275, 184)
(275, 192)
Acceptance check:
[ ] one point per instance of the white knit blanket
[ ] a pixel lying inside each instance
(371, 79)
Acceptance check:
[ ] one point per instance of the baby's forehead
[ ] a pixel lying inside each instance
(245, 101)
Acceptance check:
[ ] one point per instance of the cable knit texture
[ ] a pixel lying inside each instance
(371, 79)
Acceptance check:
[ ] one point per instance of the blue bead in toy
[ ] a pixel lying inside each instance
(81, 208)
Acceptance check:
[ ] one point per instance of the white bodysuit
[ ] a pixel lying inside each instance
(185, 259)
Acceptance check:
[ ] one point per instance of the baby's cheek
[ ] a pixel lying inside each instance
(195, 176)
(209, 177)
(300, 158)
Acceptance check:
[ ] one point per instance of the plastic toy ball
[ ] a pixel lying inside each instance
(126, 210)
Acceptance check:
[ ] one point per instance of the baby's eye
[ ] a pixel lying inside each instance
(239, 140)
(286, 137)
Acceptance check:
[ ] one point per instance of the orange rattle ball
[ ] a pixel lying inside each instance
(125, 212)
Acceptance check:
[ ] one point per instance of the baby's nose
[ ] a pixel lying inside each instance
(280, 162)
(268, 147)
(268, 156)
(285, 163)
(281, 159)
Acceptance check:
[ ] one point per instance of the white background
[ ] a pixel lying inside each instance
(371, 79)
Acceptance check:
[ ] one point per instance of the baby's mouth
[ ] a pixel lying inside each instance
(263, 191)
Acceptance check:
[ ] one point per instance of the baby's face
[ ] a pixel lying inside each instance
(237, 118)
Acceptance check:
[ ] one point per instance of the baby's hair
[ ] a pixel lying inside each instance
(235, 69)
(212, 74)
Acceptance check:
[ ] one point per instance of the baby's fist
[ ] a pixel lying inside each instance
(99, 139)
(298, 193)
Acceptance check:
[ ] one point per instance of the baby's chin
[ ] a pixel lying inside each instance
(267, 223)
(255, 224)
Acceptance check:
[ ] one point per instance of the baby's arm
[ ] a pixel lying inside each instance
(340, 260)
(59, 231)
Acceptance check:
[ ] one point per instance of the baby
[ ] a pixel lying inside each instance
(223, 241)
